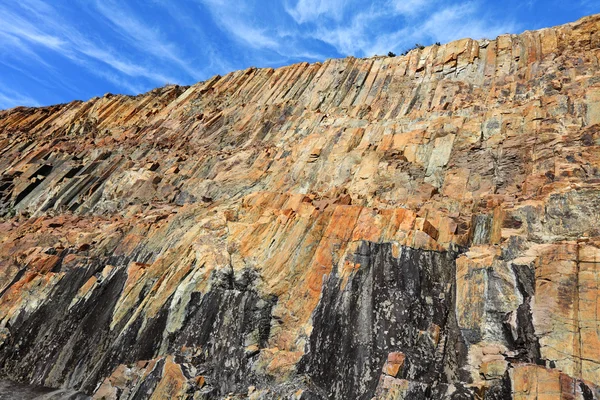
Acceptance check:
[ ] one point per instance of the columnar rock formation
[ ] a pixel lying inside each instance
(415, 227)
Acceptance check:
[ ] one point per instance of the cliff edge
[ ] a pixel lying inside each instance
(416, 227)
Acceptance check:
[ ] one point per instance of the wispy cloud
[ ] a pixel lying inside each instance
(36, 28)
(349, 39)
(237, 19)
(464, 20)
(20, 28)
(362, 33)
(213, 55)
(14, 47)
(10, 98)
(233, 19)
(147, 39)
(410, 7)
(310, 10)
(81, 48)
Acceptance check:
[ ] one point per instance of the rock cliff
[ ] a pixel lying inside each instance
(415, 227)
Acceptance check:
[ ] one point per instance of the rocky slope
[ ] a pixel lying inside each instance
(415, 227)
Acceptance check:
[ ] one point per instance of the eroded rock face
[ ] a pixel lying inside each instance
(397, 304)
(414, 227)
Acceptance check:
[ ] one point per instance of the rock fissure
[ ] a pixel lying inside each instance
(413, 227)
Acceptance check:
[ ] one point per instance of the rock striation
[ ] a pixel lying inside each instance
(415, 227)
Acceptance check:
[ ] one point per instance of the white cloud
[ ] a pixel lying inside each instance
(362, 36)
(232, 18)
(9, 99)
(349, 39)
(310, 10)
(462, 21)
(13, 47)
(410, 7)
(38, 27)
(255, 37)
(215, 62)
(16, 26)
(148, 40)
(140, 53)
(237, 20)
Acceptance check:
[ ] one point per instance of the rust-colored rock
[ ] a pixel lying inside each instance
(423, 226)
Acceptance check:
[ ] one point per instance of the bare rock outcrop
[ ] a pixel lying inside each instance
(415, 227)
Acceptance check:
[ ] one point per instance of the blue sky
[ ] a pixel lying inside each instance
(61, 50)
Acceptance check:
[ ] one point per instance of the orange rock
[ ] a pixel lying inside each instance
(394, 364)
(265, 183)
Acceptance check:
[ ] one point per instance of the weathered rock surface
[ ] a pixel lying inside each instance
(415, 227)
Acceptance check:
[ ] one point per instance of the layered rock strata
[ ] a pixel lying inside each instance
(414, 227)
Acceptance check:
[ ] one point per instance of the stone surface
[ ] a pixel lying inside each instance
(414, 227)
